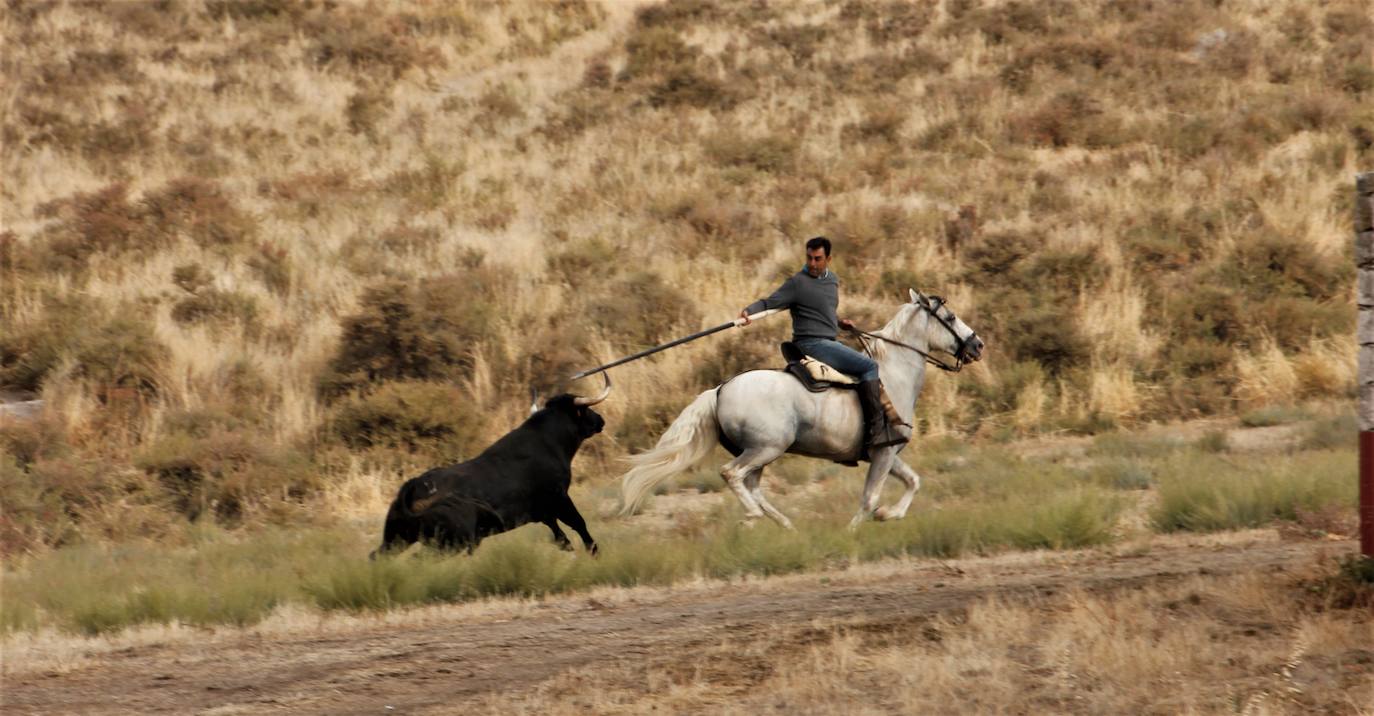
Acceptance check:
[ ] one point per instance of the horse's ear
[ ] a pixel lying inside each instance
(915, 295)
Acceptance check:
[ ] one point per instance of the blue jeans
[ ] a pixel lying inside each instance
(840, 357)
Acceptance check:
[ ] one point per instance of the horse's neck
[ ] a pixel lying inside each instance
(902, 370)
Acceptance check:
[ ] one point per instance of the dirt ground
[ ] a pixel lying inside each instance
(457, 657)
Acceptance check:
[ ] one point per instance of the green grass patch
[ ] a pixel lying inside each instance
(1274, 415)
(1208, 493)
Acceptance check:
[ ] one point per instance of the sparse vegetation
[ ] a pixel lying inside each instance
(262, 259)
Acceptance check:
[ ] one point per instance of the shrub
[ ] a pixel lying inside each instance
(365, 109)
(768, 153)
(272, 265)
(198, 209)
(230, 475)
(586, 260)
(684, 85)
(430, 331)
(641, 310)
(433, 419)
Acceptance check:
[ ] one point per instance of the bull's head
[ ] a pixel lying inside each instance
(588, 421)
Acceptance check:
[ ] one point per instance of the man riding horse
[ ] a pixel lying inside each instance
(812, 296)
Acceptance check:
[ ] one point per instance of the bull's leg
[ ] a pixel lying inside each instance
(738, 469)
(558, 537)
(752, 481)
(571, 517)
(912, 480)
(878, 467)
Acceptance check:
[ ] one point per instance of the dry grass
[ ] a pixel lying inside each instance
(1161, 248)
(1158, 649)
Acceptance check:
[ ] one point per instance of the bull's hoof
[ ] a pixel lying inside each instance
(593, 549)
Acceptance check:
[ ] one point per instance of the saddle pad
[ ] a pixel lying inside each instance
(822, 372)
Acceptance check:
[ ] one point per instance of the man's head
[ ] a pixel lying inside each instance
(817, 256)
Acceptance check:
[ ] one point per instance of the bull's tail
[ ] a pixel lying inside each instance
(682, 446)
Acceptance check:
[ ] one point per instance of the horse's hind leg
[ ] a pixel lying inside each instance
(912, 480)
(751, 481)
(738, 469)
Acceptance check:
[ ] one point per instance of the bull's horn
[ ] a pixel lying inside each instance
(593, 401)
(534, 400)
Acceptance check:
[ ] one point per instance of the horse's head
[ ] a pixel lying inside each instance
(947, 332)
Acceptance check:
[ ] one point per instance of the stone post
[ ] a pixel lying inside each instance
(1364, 260)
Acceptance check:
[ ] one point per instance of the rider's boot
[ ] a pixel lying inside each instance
(880, 419)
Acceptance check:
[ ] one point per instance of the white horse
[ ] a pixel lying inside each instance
(762, 414)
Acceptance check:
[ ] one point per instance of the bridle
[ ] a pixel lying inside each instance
(932, 305)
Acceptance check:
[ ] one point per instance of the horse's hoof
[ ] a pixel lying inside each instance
(880, 514)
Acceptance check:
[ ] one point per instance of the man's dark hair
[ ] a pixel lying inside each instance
(820, 242)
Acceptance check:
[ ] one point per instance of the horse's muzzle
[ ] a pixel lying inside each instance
(972, 350)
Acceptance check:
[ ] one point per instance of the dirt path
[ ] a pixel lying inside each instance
(435, 668)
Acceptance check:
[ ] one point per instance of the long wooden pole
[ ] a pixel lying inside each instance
(670, 344)
(1364, 258)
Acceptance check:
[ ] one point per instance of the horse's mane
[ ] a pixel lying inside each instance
(891, 330)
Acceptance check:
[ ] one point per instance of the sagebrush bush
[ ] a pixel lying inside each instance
(229, 475)
(434, 419)
(429, 331)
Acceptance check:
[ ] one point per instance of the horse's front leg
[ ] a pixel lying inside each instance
(907, 475)
(873, 486)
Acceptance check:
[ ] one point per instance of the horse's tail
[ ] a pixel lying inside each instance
(683, 445)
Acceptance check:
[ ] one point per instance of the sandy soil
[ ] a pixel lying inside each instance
(464, 656)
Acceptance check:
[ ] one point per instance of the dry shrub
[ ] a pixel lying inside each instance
(585, 260)
(430, 331)
(656, 52)
(1009, 21)
(1070, 118)
(682, 85)
(103, 221)
(310, 192)
(432, 419)
(28, 441)
(426, 187)
(678, 14)
(800, 41)
(198, 209)
(735, 354)
(769, 153)
(367, 108)
(113, 352)
(641, 310)
(272, 266)
(882, 122)
(356, 38)
(219, 308)
(228, 475)
(1163, 242)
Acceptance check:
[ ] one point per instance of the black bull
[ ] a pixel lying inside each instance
(521, 478)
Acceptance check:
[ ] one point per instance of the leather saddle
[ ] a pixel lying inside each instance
(815, 375)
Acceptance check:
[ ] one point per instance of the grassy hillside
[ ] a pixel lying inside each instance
(261, 258)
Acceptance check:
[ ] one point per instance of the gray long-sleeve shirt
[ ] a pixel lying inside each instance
(813, 303)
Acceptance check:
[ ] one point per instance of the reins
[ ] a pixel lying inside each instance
(958, 362)
(932, 360)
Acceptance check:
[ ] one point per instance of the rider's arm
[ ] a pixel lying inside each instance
(785, 296)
